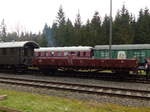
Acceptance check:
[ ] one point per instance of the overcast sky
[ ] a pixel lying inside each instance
(31, 15)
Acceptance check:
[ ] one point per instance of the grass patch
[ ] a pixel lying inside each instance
(28, 102)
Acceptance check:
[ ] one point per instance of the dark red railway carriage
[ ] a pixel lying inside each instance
(78, 58)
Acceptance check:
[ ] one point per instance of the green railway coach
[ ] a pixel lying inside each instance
(136, 51)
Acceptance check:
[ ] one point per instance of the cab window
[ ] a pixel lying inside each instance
(43, 54)
(52, 53)
(47, 54)
(78, 54)
(59, 54)
(65, 53)
(84, 53)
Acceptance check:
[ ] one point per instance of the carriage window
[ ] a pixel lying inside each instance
(25, 52)
(78, 54)
(52, 53)
(47, 54)
(36, 54)
(84, 53)
(104, 54)
(13, 51)
(39, 53)
(59, 54)
(65, 53)
(4, 52)
(72, 53)
(139, 54)
(8, 51)
(43, 53)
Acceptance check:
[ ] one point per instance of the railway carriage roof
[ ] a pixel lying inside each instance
(18, 44)
(123, 46)
(74, 48)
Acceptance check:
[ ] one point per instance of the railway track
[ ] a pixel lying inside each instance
(81, 88)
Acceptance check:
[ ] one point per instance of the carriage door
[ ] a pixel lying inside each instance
(71, 55)
(28, 55)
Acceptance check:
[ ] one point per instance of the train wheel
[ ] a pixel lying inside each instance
(48, 71)
(121, 72)
(148, 74)
(147, 70)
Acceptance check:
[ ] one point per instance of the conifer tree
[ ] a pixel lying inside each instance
(60, 37)
(69, 33)
(105, 30)
(3, 31)
(96, 29)
(122, 30)
(142, 34)
(78, 39)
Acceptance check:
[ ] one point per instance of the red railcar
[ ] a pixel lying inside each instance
(78, 58)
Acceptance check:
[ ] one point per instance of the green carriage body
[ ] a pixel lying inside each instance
(137, 51)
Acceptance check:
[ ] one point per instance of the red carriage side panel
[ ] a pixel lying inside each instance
(106, 63)
(50, 61)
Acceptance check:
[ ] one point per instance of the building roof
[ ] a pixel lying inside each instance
(123, 46)
(19, 44)
(73, 48)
